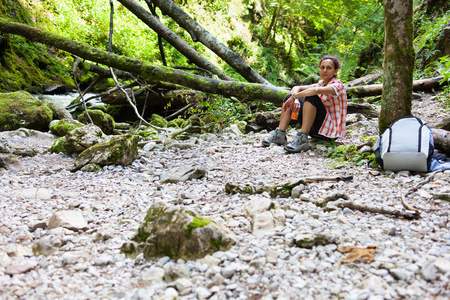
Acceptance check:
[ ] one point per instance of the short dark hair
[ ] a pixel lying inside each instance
(337, 64)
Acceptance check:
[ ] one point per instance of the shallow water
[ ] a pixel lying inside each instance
(65, 99)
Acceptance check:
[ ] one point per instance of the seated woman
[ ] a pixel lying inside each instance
(322, 113)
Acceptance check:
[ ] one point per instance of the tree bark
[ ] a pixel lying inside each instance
(377, 89)
(441, 139)
(148, 71)
(398, 62)
(169, 8)
(179, 44)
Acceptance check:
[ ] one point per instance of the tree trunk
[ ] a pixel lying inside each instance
(377, 89)
(169, 8)
(148, 71)
(173, 39)
(441, 139)
(398, 62)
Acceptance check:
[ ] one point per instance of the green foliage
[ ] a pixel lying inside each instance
(351, 154)
(221, 110)
(425, 43)
(282, 40)
(444, 69)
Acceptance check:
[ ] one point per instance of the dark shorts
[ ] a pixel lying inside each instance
(320, 116)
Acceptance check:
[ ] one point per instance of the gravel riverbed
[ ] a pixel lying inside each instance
(412, 257)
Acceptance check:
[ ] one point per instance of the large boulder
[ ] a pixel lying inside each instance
(100, 118)
(81, 138)
(20, 109)
(178, 233)
(119, 150)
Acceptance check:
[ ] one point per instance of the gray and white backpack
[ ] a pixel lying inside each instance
(406, 145)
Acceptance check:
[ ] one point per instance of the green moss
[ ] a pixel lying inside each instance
(218, 243)
(20, 109)
(158, 121)
(197, 222)
(62, 127)
(100, 118)
(57, 146)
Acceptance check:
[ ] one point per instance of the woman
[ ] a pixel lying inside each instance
(321, 115)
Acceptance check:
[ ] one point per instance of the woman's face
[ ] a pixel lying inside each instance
(327, 70)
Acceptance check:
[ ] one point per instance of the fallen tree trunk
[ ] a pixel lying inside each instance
(441, 139)
(169, 8)
(148, 71)
(376, 89)
(173, 39)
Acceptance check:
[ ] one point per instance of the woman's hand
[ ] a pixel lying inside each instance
(292, 104)
(288, 104)
(295, 107)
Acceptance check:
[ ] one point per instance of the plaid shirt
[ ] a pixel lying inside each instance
(336, 105)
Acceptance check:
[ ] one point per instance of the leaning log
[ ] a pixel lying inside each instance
(169, 8)
(155, 24)
(376, 89)
(150, 72)
(441, 139)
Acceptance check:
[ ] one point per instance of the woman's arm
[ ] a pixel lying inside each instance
(326, 90)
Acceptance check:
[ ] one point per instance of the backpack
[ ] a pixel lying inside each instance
(406, 145)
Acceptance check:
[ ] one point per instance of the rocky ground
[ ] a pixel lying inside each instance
(411, 261)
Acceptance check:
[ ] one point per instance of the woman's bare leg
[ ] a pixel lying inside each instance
(309, 115)
(285, 119)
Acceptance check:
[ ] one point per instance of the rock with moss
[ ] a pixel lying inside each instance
(81, 138)
(308, 241)
(119, 150)
(63, 127)
(100, 118)
(267, 119)
(177, 123)
(178, 233)
(197, 124)
(159, 121)
(21, 110)
(57, 146)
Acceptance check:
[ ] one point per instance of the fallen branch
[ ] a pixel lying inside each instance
(415, 188)
(410, 215)
(332, 178)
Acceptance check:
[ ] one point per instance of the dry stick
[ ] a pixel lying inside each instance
(415, 188)
(324, 178)
(76, 62)
(85, 100)
(180, 111)
(410, 215)
(132, 104)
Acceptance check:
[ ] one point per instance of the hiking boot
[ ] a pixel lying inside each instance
(300, 143)
(277, 137)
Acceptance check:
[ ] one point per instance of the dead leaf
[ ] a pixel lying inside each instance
(356, 253)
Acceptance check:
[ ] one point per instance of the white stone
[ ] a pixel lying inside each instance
(69, 219)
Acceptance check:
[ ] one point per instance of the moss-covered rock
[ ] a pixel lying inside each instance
(63, 127)
(178, 233)
(21, 110)
(159, 121)
(57, 146)
(177, 123)
(119, 150)
(100, 118)
(81, 138)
